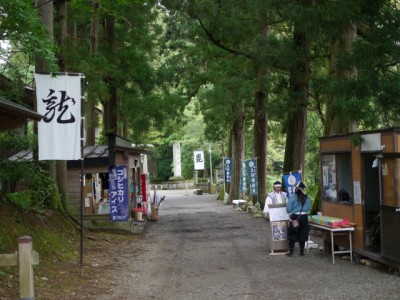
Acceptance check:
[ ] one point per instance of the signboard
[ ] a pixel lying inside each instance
(227, 169)
(243, 187)
(290, 180)
(278, 214)
(118, 191)
(279, 231)
(357, 192)
(253, 178)
(198, 160)
(176, 152)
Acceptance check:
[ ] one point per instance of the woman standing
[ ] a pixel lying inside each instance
(298, 207)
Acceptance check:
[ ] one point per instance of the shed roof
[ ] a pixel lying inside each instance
(14, 115)
(350, 134)
(97, 151)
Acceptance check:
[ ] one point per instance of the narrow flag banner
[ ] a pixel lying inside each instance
(253, 178)
(290, 180)
(59, 101)
(227, 169)
(198, 160)
(243, 187)
(118, 189)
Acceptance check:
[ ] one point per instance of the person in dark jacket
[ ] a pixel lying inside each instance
(298, 206)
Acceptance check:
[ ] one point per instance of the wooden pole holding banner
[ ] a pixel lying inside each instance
(82, 168)
(82, 207)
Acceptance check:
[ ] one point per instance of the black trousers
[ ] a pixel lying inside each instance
(302, 234)
(291, 245)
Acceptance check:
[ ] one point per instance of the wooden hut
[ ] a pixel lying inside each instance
(361, 183)
(95, 200)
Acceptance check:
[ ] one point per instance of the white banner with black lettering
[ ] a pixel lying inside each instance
(198, 160)
(59, 100)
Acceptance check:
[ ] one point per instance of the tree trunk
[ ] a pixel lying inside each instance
(261, 120)
(113, 97)
(61, 165)
(61, 17)
(45, 11)
(334, 124)
(91, 120)
(297, 106)
(237, 149)
(260, 142)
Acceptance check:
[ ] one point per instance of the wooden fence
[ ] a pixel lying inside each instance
(25, 258)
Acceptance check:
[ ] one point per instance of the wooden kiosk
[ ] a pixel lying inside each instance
(96, 205)
(361, 182)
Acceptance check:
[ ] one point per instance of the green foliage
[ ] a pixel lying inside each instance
(16, 139)
(163, 155)
(357, 140)
(176, 178)
(203, 180)
(21, 199)
(42, 192)
(183, 67)
(25, 33)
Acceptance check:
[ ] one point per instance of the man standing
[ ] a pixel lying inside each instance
(275, 197)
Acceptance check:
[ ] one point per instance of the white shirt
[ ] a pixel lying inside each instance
(274, 198)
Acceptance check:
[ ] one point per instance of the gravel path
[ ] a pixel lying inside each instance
(203, 249)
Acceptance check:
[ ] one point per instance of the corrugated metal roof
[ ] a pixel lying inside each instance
(95, 151)
(88, 152)
(22, 155)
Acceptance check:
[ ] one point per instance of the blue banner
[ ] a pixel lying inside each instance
(290, 180)
(253, 178)
(118, 190)
(243, 187)
(228, 169)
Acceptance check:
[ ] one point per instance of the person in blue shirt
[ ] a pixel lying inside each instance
(298, 206)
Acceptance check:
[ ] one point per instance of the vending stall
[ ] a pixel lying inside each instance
(360, 175)
(96, 200)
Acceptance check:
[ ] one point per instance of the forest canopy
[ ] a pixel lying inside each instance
(255, 78)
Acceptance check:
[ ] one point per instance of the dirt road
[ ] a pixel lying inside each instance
(202, 249)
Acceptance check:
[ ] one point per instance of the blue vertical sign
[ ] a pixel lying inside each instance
(228, 169)
(253, 178)
(243, 188)
(290, 180)
(118, 191)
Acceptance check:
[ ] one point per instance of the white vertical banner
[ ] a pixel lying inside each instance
(59, 100)
(198, 160)
(176, 152)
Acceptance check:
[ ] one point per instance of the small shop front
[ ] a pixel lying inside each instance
(115, 185)
(361, 183)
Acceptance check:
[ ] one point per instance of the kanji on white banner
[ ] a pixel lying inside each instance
(59, 100)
